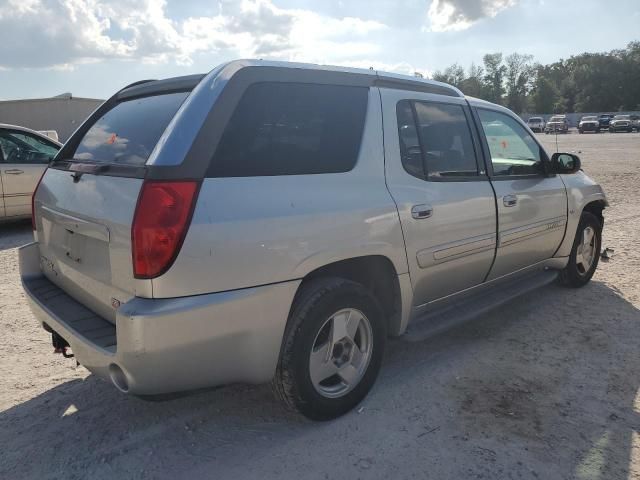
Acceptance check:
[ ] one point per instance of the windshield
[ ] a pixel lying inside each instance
(622, 117)
(535, 119)
(128, 133)
(589, 119)
(557, 119)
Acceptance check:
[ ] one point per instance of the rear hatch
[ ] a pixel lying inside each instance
(85, 204)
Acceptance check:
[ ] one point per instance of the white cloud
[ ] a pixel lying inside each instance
(62, 33)
(461, 14)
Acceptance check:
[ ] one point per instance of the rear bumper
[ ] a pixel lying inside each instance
(168, 345)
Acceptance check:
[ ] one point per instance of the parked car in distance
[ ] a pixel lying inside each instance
(24, 155)
(557, 124)
(589, 124)
(536, 124)
(621, 123)
(635, 122)
(280, 231)
(604, 120)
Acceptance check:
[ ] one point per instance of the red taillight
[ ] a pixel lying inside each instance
(33, 202)
(160, 224)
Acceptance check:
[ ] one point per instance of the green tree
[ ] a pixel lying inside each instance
(589, 82)
(519, 79)
(494, 77)
(473, 84)
(544, 95)
(453, 75)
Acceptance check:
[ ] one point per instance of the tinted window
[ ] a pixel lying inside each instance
(292, 129)
(20, 147)
(446, 140)
(513, 149)
(128, 133)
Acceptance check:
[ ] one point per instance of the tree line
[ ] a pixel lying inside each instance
(589, 82)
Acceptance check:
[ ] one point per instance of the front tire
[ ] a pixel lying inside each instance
(585, 252)
(332, 349)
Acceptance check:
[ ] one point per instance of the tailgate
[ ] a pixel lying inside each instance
(86, 201)
(84, 235)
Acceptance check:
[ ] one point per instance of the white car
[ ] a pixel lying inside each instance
(24, 155)
(536, 124)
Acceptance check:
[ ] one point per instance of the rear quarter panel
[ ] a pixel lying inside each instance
(254, 231)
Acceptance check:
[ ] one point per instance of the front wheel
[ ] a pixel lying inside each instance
(332, 349)
(585, 252)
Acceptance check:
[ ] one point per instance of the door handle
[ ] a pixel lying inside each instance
(14, 171)
(421, 211)
(510, 200)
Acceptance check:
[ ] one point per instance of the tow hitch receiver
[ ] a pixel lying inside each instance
(60, 345)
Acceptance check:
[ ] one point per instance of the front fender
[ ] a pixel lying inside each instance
(581, 191)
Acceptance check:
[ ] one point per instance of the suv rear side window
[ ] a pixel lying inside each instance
(128, 133)
(292, 129)
(441, 139)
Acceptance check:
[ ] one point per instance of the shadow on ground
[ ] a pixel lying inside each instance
(543, 387)
(15, 234)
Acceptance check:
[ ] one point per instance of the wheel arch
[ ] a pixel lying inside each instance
(377, 274)
(596, 207)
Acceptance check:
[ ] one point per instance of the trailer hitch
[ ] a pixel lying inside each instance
(60, 345)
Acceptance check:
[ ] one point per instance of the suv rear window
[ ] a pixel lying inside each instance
(128, 133)
(292, 129)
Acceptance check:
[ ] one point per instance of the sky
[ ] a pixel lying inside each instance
(92, 48)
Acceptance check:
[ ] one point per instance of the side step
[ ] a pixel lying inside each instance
(443, 317)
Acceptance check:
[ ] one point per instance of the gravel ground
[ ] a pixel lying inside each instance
(542, 388)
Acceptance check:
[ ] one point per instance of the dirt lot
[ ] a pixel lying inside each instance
(543, 388)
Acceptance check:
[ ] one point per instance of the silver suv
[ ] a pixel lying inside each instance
(277, 222)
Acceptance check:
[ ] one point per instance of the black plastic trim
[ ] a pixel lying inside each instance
(160, 87)
(110, 169)
(415, 86)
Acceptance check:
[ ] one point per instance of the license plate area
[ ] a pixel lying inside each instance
(75, 253)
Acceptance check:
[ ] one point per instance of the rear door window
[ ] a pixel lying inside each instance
(292, 129)
(128, 133)
(435, 142)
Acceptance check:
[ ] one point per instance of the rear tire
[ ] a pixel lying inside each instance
(320, 375)
(585, 252)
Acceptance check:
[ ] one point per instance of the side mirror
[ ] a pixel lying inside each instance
(565, 163)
